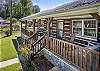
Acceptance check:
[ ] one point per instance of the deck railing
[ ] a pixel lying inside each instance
(85, 58)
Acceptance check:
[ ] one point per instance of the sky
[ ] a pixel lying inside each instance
(48, 4)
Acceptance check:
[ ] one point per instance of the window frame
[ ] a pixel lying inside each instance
(85, 36)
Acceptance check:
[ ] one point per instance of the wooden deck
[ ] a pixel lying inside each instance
(85, 58)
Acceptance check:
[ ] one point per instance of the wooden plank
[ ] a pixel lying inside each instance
(53, 45)
(66, 52)
(58, 47)
(97, 61)
(76, 58)
(90, 60)
(62, 49)
(80, 57)
(85, 60)
(69, 52)
(47, 42)
(50, 44)
(34, 21)
(72, 54)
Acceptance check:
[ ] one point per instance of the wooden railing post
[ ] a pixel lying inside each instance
(21, 25)
(72, 49)
(25, 24)
(90, 60)
(85, 59)
(66, 51)
(80, 57)
(76, 58)
(34, 21)
(97, 61)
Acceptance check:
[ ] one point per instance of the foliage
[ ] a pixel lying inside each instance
(8, 19)
(14, 20)
(16, 27)
(20, 8)
(36, 9)
(7, 33)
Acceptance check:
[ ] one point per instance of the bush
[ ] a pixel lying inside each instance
(16, 27)
(7, 33)
(14, 20)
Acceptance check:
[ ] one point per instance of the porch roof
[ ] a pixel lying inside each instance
(68, 9)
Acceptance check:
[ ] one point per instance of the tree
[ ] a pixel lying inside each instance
(36, 9)
(26, 7)
(20, 8)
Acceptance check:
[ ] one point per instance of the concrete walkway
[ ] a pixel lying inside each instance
(9, 62)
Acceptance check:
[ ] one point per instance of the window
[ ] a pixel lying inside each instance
(77, 27)
(90, 28)
(85, 28)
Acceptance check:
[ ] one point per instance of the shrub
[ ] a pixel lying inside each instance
(7, 33)
(16, 27)
(14, 20)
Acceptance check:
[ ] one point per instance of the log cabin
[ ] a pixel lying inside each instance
(72, 33)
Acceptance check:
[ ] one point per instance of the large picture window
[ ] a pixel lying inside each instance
(85, 28)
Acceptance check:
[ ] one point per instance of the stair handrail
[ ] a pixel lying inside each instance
(39, 40)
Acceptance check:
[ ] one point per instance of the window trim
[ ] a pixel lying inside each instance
(84, 36)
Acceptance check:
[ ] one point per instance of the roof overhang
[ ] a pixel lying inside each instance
(78, 12)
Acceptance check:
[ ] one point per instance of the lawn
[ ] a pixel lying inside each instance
(14, 67)
(7, 49)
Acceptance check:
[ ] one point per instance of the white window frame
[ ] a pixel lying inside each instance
(87, 37)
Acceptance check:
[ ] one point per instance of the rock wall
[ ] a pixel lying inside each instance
(56, 61)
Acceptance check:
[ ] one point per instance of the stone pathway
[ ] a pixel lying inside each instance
(9, 62)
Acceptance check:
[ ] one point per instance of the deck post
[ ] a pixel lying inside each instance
(48, 25)
(38, 23)
(25, 24)
(48, 29)
(21, 25)
(34, 21)
(98, 34)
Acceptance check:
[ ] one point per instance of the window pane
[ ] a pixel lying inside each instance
(90, 28)
(77, 28)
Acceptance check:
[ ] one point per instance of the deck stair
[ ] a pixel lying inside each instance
(42, 64)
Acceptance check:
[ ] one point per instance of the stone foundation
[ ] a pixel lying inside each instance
(57, 61)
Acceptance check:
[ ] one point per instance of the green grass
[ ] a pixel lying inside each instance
(7, 49)
(14, 67)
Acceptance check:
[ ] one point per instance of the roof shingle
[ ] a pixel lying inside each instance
(68, 6)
